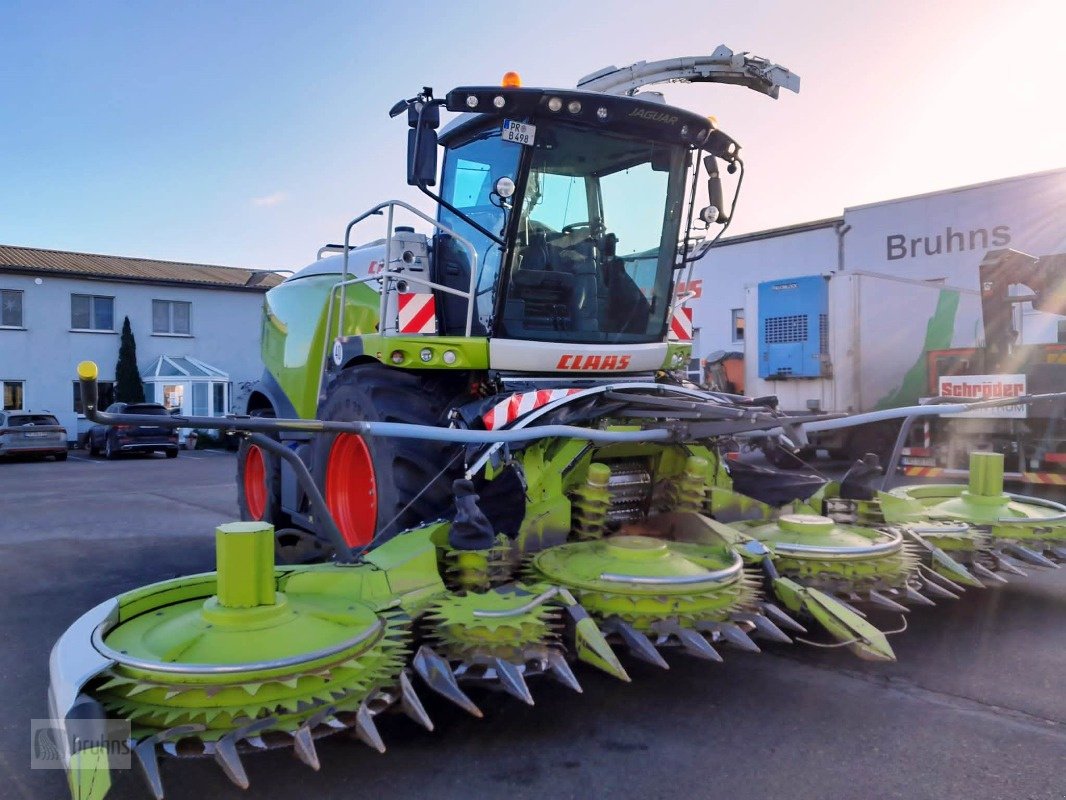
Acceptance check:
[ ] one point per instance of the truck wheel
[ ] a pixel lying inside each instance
(259, 486)
(109, 452)
(378, 486)
(878, 438)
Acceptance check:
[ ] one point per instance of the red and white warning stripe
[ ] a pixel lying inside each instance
(417, 313)
(507, 411)
(681, 324)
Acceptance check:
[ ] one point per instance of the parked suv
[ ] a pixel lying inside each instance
(32, 434)
(114, 440)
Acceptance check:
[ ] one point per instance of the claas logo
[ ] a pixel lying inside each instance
(589, 363)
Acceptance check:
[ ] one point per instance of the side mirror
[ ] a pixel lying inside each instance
(715, 210)
(423, 119)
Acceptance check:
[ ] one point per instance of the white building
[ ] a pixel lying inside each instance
(196, 327)
(941, 236)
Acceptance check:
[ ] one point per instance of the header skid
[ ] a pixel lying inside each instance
(722, 66)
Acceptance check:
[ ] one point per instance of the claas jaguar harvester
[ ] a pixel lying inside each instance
(473, 457)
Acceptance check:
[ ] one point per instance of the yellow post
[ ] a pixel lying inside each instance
(245, 559)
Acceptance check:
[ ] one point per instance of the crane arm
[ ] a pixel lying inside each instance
(722, 66)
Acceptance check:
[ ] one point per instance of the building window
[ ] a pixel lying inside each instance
(174, 396)
(171, 316)
(219, 399)
(199, 400)
(738, 324)
(92, 313)
(105, 396)
(13, 395)
(10, 308)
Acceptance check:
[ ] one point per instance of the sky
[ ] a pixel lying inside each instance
(250, 133)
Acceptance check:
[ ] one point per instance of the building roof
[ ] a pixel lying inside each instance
(830, 222)
(785, 230)
(141, 270)
(968, 187)
(181, 367)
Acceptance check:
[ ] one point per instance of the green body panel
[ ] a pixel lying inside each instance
(406, 573)
(294, 332)
(470, 354)
(677, 356)
(549, 467)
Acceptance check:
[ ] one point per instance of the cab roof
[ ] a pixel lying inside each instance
(621, 114)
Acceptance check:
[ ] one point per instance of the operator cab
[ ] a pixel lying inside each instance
(574, 203)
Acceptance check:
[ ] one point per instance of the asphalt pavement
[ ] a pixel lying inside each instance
(975, 708)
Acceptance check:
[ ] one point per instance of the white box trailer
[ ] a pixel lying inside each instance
(852, 342)
(942, 236)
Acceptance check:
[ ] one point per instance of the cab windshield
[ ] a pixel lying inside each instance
(596, 239)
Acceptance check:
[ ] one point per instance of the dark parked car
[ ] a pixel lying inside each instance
(32, 434)
(113, 440)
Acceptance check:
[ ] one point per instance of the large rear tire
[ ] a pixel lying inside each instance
(259, 486)
(378, 486)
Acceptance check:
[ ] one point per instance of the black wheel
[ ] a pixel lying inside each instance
(93, 449)
(378, 486)
(172, 453)
(259, 485)
(110, 453)
(61, 456)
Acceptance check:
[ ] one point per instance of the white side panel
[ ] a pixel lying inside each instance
(514, 354)
(898, 319)
(945, 235)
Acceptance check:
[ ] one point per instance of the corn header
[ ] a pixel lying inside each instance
(471, 464)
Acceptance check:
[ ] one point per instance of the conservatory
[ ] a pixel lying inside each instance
(186, 385)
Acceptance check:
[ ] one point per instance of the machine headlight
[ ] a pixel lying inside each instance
(554, 104)
(505, 187)
(426, 354)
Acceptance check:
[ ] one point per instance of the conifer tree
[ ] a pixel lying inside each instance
(128, 386)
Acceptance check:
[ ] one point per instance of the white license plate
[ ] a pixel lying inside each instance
(915, 461)
(37, 435)
(519, 132)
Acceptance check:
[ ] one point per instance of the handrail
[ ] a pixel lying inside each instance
(387, 278)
